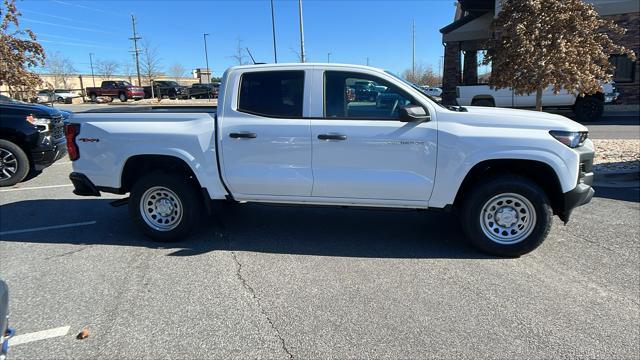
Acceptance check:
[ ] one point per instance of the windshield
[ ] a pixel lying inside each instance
(421, 90)
(124, 83)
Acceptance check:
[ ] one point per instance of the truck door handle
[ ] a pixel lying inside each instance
(243, 135)
(332, 137)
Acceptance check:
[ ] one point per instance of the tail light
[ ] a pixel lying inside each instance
(70, 133)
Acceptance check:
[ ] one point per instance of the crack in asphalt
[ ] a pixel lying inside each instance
(255, 297)
(66, 253)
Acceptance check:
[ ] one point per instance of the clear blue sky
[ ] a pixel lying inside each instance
(350, 30)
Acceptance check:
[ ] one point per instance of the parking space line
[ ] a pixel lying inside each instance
(37, 187)
(39, 335)
(63, 226)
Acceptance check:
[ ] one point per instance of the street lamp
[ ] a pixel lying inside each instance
(328, 57)
(206, 56)
(91, 62)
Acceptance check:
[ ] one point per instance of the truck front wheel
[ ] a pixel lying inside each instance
(14, 163)
(166, 207)
(506, 216)
(123, 97)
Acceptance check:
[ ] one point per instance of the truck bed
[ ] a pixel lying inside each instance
(156, 109)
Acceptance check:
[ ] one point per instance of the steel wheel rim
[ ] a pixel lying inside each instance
(161, 208)
(8, 164)
(508, 218)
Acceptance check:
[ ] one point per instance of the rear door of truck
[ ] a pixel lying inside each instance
(265, 140)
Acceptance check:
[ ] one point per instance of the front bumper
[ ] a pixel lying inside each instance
(44, 158)
(583, 192)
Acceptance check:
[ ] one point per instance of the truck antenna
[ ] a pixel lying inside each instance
(251, 56)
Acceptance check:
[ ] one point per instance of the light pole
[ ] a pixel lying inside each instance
(302, 57)
(91, 62)
(206, 57)
(328, 57)
(273, 29)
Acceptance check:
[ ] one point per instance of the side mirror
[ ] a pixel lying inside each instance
(413, 113)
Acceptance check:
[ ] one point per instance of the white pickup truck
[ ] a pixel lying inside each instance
(291, 133)
(585, 108)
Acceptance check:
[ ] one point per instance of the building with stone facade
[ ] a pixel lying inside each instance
(465, 37)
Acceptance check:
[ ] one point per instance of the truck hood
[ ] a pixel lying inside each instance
(492, 116)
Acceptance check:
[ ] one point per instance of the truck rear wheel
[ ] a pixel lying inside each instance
(14, 163)
(166, 207)
(506, 216)
(94, 97)
(589, 108)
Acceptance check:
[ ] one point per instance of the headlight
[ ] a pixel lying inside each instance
(572, 139)
(41, 123)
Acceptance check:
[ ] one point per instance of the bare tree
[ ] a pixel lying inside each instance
(128, 70)
(177, 71)
(106, 68)
(19, 52)
(542, 43)
(239, 56)
(423, 75)
(150, 62)
(61, 68)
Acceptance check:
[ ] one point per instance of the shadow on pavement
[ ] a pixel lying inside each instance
(321, 231)
(631, 194)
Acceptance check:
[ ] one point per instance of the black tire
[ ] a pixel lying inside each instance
(61, 100)
(588, 109)
(487, 190)
(94, 97)
(188, 196)
(483, 102)
(14, 163)
(122, 97)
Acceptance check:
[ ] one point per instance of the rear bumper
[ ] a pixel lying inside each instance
(82, 185)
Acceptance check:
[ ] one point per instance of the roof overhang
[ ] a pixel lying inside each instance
(470, 27)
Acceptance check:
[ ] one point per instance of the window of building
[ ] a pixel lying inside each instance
(624, 68)
(272, 93)
(360, 96)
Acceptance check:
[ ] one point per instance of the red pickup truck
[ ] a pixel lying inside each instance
(122, 90)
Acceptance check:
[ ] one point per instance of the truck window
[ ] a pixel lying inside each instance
(360, 96)
(272, 93)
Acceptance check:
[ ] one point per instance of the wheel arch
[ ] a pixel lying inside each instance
(137, 165)
(484, 97)
(541, 173)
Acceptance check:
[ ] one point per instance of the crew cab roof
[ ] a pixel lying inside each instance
(302, 66)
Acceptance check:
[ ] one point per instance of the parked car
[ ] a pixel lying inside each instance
(204, 91)
(5, 331)
(433, 91)
(122, 90)
(585, 108)
(31, 138)
(279, 137)
(170, 89)
(56, 95)
(365, 91)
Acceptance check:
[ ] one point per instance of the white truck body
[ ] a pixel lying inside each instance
(484, 95)
(378, 163)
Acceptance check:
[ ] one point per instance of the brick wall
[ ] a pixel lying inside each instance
(629, 91)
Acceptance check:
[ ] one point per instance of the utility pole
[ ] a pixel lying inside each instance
(206, 57)
(273, 29)
(302, 57)
(367, 61)
(91, 62)
(328, 57)
(413, 49)
(135, 39)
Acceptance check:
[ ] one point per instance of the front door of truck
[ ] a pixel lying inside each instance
(265, 140)
(361, 149)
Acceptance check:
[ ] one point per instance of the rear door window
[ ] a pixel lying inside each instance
(277, 94)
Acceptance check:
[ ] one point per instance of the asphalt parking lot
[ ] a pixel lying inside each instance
(261, 281)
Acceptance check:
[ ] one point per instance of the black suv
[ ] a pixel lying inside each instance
(170, 89)
(31, 138)
(204, 91)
